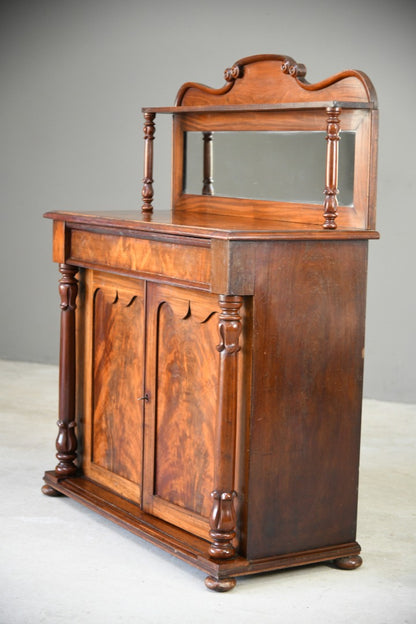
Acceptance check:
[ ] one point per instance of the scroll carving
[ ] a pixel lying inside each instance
(334, 88)
(297, 70)
(331, 175)
(232, 73)
(68, 287)
(147, 191)
(66, 442)
(229, 324)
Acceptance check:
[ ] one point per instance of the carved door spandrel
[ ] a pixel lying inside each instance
(182, 374)
(114, 433)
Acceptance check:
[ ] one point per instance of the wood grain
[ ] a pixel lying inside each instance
(115, 425)
(305, 426)
(213, 368)
(186, 402)
(66, 441)
(183, 376)
(142, 256)
(199, 228)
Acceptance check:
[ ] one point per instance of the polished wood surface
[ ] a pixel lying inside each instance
(212, 355)
(114, 423)
(182, 382)
(308, 363)
(198, 225)
(186, 261)
(182, 544)
(149, 132)
(66, 442)
(265, 73)
(269, 93)
(331, 174)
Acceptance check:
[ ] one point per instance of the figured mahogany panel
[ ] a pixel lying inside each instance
(182, 368)
(183, 260)
(309, 310)
(115, 445)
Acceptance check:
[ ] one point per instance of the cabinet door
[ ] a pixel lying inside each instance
(182, 382)
(114, 317)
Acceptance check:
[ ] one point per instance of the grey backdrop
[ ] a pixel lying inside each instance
(74, 75)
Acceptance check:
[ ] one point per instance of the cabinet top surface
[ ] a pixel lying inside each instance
(204, 225)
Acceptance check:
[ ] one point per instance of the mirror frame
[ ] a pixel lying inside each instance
(351, 120)
(269, 166)
(269, 92)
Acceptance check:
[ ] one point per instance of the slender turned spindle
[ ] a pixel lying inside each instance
(208, 180)
(331, 174)
(66, 442)
(149, 135)
(223, 516)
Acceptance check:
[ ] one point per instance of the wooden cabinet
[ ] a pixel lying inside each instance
(151, 393)
(212, 356)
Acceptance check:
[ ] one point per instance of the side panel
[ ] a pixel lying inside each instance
(309, 315)
(114, 416)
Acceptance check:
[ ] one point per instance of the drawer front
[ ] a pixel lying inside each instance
(183, 261)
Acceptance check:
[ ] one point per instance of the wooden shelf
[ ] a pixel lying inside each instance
(248, 108)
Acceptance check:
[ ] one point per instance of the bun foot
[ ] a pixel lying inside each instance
(220, 585)
(348, 563)
(49, 491)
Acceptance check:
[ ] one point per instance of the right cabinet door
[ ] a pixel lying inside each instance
(180, 415)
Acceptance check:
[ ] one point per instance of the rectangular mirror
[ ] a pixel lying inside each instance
(274, 166)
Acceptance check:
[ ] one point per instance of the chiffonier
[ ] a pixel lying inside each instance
(211, 355)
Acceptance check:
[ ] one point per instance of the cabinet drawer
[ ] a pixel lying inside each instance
(187, 260)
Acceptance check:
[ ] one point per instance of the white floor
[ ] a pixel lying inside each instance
(61, 563)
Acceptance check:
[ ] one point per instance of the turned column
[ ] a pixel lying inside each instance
(208, 180)
(66, 441)
(149, 135)
(331, 174)
(223, 517)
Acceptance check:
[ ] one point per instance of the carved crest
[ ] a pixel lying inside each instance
(271, 78)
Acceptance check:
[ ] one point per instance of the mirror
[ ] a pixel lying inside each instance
(275, 166)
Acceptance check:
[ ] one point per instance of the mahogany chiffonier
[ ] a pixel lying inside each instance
(211, 356)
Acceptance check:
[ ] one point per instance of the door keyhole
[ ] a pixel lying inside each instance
(144, 398)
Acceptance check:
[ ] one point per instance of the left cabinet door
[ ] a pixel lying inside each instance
(112, 326)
